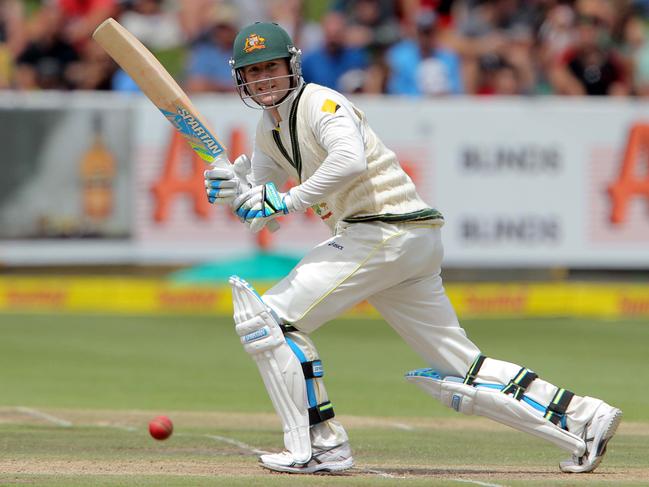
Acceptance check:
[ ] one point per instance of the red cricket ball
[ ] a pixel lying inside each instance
(161, 427)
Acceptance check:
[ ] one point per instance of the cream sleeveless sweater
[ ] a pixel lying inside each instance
(384, 192)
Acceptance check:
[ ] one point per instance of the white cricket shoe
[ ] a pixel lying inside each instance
(597, 433)
(335, 459)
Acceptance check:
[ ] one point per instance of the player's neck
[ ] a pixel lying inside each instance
(274, 112)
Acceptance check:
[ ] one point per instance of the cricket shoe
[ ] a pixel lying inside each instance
(597, 433)
(334, 459)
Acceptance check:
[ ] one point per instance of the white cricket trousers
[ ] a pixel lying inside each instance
(396, 268)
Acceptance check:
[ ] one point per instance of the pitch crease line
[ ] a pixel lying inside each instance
(119, 427)
(239, 444)
(34, 413)
(477, 482)
(380, 473)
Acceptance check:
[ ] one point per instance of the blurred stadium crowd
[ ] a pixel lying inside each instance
(401, 47)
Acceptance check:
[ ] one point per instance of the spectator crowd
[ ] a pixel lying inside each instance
(400, 47)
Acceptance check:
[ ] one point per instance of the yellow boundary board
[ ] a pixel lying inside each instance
(150, 296)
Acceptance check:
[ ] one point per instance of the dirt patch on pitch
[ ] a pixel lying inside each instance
(86, 467)
(245, 468)
(501, 474)
(240, 456)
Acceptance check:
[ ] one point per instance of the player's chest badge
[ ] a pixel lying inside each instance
(322, 210)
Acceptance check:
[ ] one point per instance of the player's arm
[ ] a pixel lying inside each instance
(266, 170)
(339, 131)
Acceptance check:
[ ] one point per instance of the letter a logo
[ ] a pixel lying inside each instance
(632, 182)
(173, 182)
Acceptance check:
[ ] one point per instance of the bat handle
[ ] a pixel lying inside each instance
(273, 226)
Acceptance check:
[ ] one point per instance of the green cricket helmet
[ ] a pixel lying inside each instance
(261, 42)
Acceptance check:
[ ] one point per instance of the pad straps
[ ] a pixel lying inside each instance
(286, 328)
(312, 369)
(474, 369)
(556, 410)
(321, 412)
(519, 384)
(516, 387)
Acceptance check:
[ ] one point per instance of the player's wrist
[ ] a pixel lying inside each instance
(288, 202)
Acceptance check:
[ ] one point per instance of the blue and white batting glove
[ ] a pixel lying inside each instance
(224, 183)
(261, 204)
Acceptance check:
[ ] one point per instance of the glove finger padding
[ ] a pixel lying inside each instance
(242, 167)
(223, 196)
(220, 173)
(258, 224)
(221, 191)
(245, 196)
(261, 202)
(249, 204)
(221, 183)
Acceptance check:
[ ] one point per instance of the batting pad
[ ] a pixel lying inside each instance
(493, 404)
(280, 369)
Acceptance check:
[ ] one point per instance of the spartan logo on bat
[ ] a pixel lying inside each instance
(254, 42)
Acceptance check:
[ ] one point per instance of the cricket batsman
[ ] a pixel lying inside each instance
(385, 248)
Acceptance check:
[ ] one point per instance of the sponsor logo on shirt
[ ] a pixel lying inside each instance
(330, 106)
(322, 211)
(335, 245)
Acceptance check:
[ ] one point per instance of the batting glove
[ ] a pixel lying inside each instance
(261, 204)
(224, 183)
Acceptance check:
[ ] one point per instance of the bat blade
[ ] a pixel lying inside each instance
(160, 87)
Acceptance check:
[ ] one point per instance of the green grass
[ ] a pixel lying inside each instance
(195, 364)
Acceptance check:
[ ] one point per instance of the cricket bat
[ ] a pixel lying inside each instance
(159, 86)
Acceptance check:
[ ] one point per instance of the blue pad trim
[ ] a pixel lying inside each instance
(432, 374)
(310, 391)
(499, 387)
